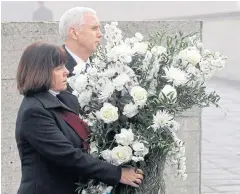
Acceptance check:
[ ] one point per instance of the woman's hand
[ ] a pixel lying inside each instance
(131, 177)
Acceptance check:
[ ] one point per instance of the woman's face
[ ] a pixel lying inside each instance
(59, 78)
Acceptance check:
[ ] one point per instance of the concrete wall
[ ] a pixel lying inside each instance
(16, 36)
(223, 35)
(121, 10)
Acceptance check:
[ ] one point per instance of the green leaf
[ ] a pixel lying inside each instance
(125, 99)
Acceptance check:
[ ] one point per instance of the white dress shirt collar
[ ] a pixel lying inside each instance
(53, 92)
(76, 58)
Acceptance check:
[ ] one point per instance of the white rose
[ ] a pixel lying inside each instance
(158, 50)
(190, 55)
(108, 113)
(168, 90)
(130, 110)
(125, 138)
(121, 154)
(139, 95)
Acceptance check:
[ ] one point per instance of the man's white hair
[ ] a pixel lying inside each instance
(72, 17)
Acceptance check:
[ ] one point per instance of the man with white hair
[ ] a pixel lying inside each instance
(80, 29)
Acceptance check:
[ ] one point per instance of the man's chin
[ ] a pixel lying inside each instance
(94, 49)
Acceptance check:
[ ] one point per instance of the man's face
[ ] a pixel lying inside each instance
(89, 35)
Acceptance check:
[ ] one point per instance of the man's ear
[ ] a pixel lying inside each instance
(72, 33)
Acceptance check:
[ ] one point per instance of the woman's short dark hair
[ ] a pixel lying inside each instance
(34, 72)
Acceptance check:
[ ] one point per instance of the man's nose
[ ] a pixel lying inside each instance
(100, 34)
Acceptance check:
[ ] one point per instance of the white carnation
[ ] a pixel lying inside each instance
(107, 91)
(140, 48)
(122, 52)
(175, 75)
(84, 97)
(120, 81)
(126, 137)
(161, 119)
(139, 149)
(130, 110)
(81, 82)
(106, 154)
(190, 55)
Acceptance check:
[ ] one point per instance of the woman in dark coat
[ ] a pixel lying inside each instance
(50, 142)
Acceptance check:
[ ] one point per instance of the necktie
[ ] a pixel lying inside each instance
(78, 125)
(87, 66)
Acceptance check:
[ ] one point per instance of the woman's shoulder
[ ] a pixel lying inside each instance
(28, 107)
(31, 101)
